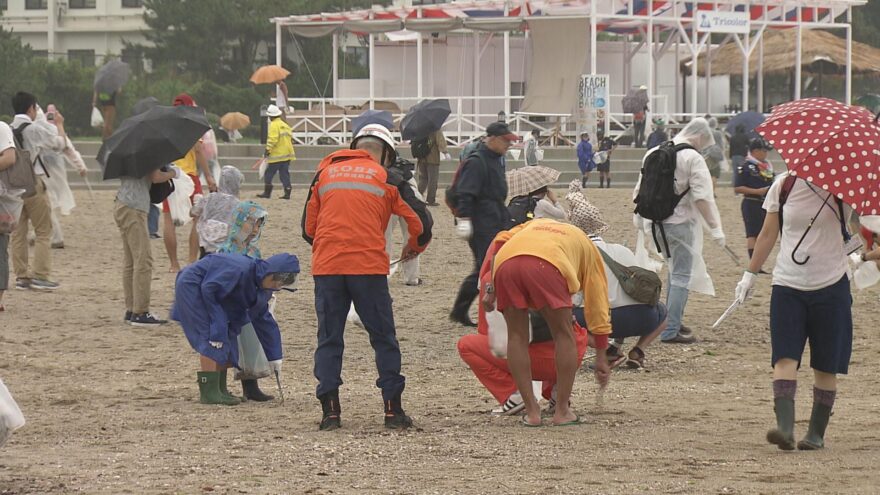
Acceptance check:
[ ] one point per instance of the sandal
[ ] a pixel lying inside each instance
(525, 422)
(575, 422)
(636, 362)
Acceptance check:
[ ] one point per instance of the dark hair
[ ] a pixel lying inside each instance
(536, 192)
(22, 102)
(536, 132)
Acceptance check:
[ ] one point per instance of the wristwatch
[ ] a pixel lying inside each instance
(490, 289)
(864, 257)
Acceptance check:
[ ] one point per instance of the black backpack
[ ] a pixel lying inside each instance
(656, 200)
(421, 147)
(521, 209)
(451, 195)
(160, 191)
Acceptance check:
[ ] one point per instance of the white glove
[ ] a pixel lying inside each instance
(216, 345)
(745, 287)
(446, 156)
(718, 236)
(177, 172)
(463, 228)
(275, 366)
(857, 260)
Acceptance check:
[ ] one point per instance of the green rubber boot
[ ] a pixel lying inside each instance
(815, 437)
(783, 435)
(209, 389)
(224, 389)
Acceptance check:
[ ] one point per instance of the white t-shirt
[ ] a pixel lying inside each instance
(690, 171)
(823, 243)
(6, 139)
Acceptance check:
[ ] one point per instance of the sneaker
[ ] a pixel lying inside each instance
(57, 245)
(38, 284)
(686, 331)
(155, 236)
(416, 283)
(127, 317)
(146, 320)
(680, 339)
(511, 406)
(397, 421)
(23, 283)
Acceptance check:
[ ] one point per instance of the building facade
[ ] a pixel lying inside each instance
(84, 30)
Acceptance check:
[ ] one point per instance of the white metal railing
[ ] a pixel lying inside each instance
(329, 120)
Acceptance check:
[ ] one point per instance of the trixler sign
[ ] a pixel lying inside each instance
(723, 22)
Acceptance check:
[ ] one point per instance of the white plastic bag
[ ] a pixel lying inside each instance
(97, 118)
(11, 205)
(514, 153)
(11, 418)
(252, 360)
(539, 154)
(264, 164)
(866, 275)
(179, 202)
(497, 333)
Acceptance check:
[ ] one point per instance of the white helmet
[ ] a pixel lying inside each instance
(378, 131)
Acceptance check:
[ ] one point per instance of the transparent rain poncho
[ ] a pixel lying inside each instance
(248, 219)
(216, 209)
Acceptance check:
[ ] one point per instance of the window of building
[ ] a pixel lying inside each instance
(4, 4)
(82, 4)
(36, 4)
(85, 57)
(132, 4)
(356, 62)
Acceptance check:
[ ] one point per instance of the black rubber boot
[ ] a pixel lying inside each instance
(395, 418)
(815, 437)
(267, 192)
(462, 305)
(287, 193)
(783, 435)
(252, 391)
(332, 411)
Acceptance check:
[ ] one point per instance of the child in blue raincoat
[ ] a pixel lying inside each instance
(585, 158)
(214, 298)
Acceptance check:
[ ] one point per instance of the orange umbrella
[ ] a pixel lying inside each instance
(234, 121)
(268, 74)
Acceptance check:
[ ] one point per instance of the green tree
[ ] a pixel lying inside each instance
(866, 20)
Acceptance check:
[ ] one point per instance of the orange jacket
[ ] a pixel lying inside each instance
(349, 204)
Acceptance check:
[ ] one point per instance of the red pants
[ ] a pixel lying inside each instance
(494, 374)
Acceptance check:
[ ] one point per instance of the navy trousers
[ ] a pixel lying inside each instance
(283, 169)
(334, 295)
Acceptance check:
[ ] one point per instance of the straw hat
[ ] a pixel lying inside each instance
(582, 213)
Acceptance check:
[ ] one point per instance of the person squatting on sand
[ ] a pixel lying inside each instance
(538, 266)
(349, 205)
(810, 302)
(214, 298)
(213, 213)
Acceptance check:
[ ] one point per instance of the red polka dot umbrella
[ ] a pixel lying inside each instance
(833, 145)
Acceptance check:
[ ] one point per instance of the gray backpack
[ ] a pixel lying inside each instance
(21, 174)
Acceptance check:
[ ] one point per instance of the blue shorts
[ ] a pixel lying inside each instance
(823, 317)
(630, 321)
(753, 216)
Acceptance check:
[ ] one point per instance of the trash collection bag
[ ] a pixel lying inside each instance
(97, 118)
(179, 202)
(11, 418)
(252, 360)
(866, 275)
(10, 209)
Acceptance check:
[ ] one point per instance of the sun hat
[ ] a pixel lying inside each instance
(582, 213)
(273, 111)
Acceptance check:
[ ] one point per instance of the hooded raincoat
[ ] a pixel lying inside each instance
(685, 226)
(216, 296)
(215, 211)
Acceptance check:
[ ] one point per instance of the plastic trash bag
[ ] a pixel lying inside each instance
(498, 333)
(643, 258)
(866, 275)
(179, 202)
(252, 360)
(97, 118)
(263, 166)
(11, 418)
(10, 208)
(539, 154)
(514, 153)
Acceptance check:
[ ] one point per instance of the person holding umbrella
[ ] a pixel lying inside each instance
(279, 153)
(109, 80)
(141, 145)
(810, 299)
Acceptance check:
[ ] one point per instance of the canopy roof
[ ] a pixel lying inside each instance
(498, 15)
(821, 52)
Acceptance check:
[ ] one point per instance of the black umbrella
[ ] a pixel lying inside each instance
(148, 141)
(112, 76)
(425, 117)
(635, 101)
(381, 117)
(143, 105)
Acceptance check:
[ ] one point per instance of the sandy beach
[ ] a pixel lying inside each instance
(113, 409)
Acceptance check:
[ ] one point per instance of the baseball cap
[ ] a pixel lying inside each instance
(500, 129)
(759, 144)
(184, 99)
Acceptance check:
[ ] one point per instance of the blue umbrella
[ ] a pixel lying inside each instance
(749, 120)
(381, 117)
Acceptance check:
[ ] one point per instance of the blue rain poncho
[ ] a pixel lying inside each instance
(216, 296)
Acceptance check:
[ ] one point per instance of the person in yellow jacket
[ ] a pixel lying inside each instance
(279, 152)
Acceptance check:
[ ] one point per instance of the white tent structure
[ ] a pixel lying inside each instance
(561, 33)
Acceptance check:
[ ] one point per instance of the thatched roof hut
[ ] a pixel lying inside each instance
(822, 52)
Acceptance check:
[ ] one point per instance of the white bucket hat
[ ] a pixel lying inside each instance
(273, 111)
